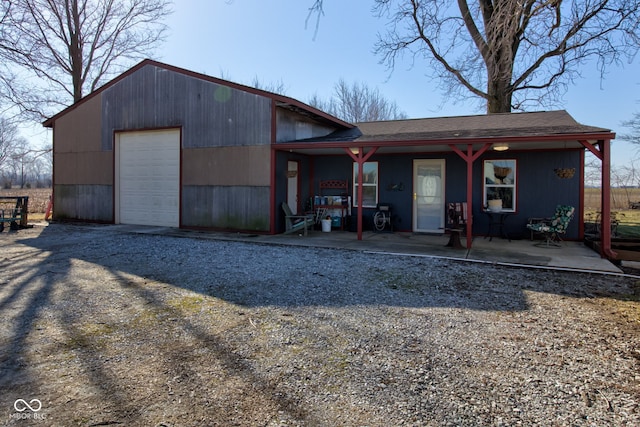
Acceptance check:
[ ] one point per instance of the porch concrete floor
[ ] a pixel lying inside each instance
(571, 256)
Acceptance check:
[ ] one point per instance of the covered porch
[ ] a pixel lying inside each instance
(471, 139)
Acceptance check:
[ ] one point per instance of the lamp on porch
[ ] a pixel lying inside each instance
(501, 146)
(354, 150)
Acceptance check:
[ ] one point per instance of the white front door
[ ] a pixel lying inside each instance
(428, 195)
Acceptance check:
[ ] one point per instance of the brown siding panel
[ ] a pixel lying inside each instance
(226, 166)
(84, 168)
(79, 129)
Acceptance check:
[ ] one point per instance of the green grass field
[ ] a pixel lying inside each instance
(628, 220)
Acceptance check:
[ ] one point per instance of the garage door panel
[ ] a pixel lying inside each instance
(149, 178)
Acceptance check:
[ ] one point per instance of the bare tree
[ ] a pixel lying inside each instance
(74, 46)
(634, 125)
(275, 87)
(10, 141)
(508, 53)
(43, 166)
(6, 75)
(592, 172)
(12, 148)
(358, 103)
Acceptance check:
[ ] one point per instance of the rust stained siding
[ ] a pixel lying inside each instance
(211, 115)
(84, 202)
(226, 207)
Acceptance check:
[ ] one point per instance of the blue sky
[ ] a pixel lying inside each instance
(242, 40)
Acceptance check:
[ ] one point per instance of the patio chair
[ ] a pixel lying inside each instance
(552, 228)
(457, 215)
(295, 223)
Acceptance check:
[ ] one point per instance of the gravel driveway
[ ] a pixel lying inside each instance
(100, 327)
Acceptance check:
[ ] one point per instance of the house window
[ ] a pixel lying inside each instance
(369, 185)
(500, 183)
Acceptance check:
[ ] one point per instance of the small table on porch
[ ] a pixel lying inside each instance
(497, 220)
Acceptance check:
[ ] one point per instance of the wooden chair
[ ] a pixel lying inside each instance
(295, 223)
(456, 221)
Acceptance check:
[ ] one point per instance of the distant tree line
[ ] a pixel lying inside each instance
(357, 102)
(20, 164)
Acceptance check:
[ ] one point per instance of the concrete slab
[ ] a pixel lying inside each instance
(571, 256)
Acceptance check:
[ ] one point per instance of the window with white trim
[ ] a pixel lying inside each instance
(500, 184)
(369, 185)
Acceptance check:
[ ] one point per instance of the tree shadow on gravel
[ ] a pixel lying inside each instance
(244, 274)
(33, 296)
(27, 290)
(255, 274)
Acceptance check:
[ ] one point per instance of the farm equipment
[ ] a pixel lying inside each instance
(16, 214)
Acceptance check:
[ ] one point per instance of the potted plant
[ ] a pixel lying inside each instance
(494, 202)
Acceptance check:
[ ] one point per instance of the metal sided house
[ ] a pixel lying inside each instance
(160, 145)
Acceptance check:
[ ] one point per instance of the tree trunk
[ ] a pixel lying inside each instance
(499, 96)
(75, 53)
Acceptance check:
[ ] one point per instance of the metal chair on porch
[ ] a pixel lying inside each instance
(554, 227)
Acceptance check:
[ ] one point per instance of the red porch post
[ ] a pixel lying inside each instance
(605, 227)
(469, 194)
(604, 154)
(469, 157)
(360, 158)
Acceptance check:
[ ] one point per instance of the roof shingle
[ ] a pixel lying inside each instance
(481, 126)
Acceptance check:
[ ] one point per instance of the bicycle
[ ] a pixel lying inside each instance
(382, 217)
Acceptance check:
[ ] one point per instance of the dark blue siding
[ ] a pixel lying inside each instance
(539, 190)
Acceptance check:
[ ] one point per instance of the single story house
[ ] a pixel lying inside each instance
(161, 145)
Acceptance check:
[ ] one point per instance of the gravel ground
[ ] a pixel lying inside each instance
(101, 327)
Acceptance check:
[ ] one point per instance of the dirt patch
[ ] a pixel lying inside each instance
(109, 328)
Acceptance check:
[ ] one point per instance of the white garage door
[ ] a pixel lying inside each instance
(148, 178)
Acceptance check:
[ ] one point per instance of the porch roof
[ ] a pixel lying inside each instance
(536, 130)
